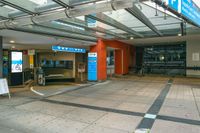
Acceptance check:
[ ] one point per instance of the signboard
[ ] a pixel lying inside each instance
(16, 62)
(190, 10)
(92, 66)
(92, 23)
(187, 8)
(175, 4)
(67, 49)
(4, 87)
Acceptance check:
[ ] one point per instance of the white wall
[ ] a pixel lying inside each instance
(193, 46)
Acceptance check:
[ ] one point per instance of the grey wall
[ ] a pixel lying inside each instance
(193, 46)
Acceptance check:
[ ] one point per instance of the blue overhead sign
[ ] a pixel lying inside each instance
(187, 8)
(190, 10)
(92, 66)
(174, 4)
(67, 49)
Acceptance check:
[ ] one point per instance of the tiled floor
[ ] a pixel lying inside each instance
(116, 106)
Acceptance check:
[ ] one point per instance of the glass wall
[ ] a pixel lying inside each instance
(164, 59)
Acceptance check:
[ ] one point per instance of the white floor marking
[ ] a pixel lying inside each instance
(41, 94)
(150, 116)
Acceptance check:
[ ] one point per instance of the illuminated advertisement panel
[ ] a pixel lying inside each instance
(16, 62)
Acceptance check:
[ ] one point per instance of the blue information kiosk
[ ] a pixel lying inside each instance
(92, 66)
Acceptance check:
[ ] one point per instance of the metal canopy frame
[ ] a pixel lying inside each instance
(63, 13)
(83, 24)
(22, 5)
(31, 17)
(140, 16)
(63, 3)
(114, 23)
(52, 32)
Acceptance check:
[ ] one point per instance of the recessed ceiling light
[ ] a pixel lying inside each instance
(12, 41)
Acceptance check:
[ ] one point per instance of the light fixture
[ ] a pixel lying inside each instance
(131, 38)
(12, 41)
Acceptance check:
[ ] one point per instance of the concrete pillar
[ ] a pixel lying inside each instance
(1, 57)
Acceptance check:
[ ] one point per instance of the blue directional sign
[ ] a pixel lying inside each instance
(92, 66)
(174, 4)
(190, 10)
(187, 8)
(68, 49)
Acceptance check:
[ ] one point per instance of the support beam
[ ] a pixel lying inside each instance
(22, 5)
(139, 15)
(53, 32)
(63, 13)
(114, 23)
(63, 3)
(82, 2)
(83, 24)
(1, 57)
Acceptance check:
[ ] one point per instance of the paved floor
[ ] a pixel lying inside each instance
(163, 105)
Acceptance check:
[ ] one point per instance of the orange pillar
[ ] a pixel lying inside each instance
(118, 61)
(121, 61)
(100, 48)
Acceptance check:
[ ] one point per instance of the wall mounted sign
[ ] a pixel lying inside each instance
(68, 49)
(187, 8)
(92, 66)
(16, 62)
(190, 10)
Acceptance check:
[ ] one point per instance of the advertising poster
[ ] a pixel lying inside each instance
(16, 63)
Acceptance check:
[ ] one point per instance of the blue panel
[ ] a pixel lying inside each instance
(174, 4)
(67, 49)
(190, 11)
(92, 66)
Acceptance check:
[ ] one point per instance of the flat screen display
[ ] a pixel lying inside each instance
(16, 63)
